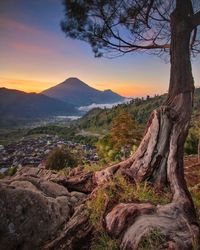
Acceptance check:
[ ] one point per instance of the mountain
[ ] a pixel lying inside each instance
(15, 104)
(78, 93)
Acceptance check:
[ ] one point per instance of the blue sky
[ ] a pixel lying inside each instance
(35, 55)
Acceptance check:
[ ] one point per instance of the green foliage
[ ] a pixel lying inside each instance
(191, 144)
(60, 158)
(11, 171)
(93, 167)
(145, 192)
(104, 242)
(105, 150)
(96, 207)
(120, 190)
(88, 140)
(64, 172)
(139, 109)
(124, 131)
(154, 240)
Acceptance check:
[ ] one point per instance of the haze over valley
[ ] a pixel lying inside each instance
(69, 98)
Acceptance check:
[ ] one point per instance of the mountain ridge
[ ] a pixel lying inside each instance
(79, 93)
(16, 104)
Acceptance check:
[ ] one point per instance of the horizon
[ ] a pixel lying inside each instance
(40, 92)
(36, 55)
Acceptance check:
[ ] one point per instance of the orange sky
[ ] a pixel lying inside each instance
(36, 55)
(38, 86)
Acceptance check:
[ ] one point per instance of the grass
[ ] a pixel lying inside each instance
(94, 167)
(154, 240)
(145, 192)
(120, 190)
(96, 206)
(63, 172)
(104, 242)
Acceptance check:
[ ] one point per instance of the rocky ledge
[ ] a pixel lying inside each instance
(34, 209)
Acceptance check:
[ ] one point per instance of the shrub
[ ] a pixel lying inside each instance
(60, 158)
(191, 144)
(11, 171)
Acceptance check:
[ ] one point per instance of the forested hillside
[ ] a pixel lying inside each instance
(140, 109)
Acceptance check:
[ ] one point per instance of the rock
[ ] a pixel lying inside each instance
(32, 210)
(78, 195)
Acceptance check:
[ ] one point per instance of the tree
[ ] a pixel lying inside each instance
(117, 27)
(124, 131)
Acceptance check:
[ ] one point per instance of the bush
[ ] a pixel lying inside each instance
(191, 144)
(60, 158)
(11, 171)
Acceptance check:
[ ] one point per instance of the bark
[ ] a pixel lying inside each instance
(159, 158)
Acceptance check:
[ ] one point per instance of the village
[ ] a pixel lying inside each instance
(33, 151)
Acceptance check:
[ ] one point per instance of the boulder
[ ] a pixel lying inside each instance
(32, 210)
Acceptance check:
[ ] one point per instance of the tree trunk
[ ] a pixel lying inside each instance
(159, 158)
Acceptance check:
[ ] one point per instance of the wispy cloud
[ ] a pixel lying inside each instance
(30, 48)
(6, 23)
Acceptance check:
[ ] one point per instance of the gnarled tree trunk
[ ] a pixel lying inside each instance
(159, 158)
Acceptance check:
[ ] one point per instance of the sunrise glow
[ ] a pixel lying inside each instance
(36, 55)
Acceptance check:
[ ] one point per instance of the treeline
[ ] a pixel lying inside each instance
(139, 110)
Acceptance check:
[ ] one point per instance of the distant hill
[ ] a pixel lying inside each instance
(140, 109)
(78, 93)
(17, 105)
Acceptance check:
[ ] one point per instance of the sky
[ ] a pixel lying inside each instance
(36, 55)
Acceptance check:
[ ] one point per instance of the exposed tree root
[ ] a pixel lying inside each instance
(158, 160)
(135, 221)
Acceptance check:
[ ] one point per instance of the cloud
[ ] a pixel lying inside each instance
(30, 48)
(6, 23)
(102, 106)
